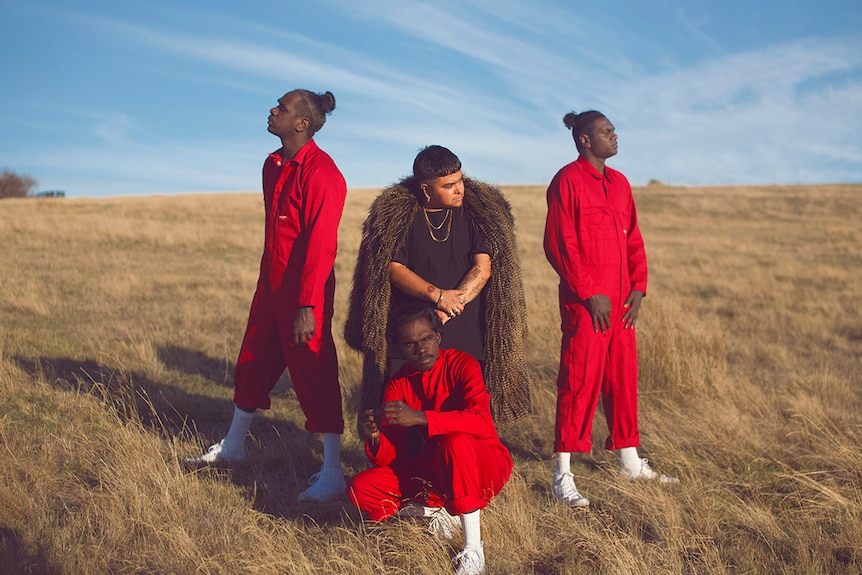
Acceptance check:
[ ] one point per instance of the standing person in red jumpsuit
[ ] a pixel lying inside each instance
(289, 324)
(593, 241)
(433, 442)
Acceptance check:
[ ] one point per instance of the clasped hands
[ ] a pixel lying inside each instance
(451, 304)
(392, 413)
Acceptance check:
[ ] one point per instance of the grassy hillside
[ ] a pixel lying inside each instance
(121, 319)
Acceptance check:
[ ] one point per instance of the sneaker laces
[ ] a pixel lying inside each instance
(326, 476)
(324, 485)
(444, 525)
(470, 561)
(217, 453)
(648, 473)
(313, 479)
(563, 488)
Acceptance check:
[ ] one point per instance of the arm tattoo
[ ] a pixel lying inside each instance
(469, 282)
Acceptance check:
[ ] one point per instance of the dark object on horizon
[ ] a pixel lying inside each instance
(51, 194)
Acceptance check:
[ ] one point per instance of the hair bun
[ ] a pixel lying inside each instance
(570, 119)
(327, 102)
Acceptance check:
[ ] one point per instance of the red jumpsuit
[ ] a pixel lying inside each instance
(459, 462)
(303, 199)
(593, 241)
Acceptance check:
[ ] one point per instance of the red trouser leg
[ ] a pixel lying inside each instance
(261, 360)
(381, 491)
(582, 364)
(469, 472)
(620, 389)
(377, 492)
(314, 368)
(315, 381)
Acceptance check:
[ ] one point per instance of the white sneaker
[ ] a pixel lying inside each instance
(646, 473)
(443, 525)
(470, 561)
(563, 488)
(218, 453)
(326, 484)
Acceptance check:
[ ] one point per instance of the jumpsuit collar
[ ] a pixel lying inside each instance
(297, 158)
(591, 170)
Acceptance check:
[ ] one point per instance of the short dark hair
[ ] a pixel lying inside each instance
(434, 162)
(581, 124)
(315, 107)
(408, 312)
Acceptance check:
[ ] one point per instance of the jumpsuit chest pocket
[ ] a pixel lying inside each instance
(598, 223)
(599, 236)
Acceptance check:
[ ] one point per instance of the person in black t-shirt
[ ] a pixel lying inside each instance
(444, 259)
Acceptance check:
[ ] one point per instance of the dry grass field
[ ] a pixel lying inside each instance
(121, 319)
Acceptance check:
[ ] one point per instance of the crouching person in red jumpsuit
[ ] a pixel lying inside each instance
(593, 241)
(433, 442)
(289, 325)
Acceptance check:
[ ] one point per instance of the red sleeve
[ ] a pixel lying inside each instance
(324, 195)
(385, 452)
(636, 255)
(392, 440)
(475, 416)
(561, 236)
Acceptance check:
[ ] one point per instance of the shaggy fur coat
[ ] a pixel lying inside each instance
(389, 221)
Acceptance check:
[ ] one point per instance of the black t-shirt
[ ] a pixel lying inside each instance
(444, 263)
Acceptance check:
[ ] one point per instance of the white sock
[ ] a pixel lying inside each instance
(472, 529)
(564, 463)
(331, 450)
(629, 458)
(238, 427)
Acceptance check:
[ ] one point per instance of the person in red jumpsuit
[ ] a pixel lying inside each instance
(593, 241)
(289, 324)
(433, 443)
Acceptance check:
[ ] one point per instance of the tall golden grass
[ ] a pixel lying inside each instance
(121, 319)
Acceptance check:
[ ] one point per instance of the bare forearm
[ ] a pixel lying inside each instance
(411, 284)
(476, 277)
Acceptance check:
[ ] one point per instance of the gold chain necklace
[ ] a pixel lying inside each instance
(447, 220)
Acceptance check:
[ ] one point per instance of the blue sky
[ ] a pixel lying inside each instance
(105, 98)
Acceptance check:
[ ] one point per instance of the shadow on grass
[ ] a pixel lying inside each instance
(15, 560)
(281, 454)
(197, 363)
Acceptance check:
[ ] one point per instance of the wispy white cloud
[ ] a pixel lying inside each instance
(773, 74)
(115, 128)
(745, 118)
(307, 61)
(694, 26)
(248, 57)
(483, 36)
